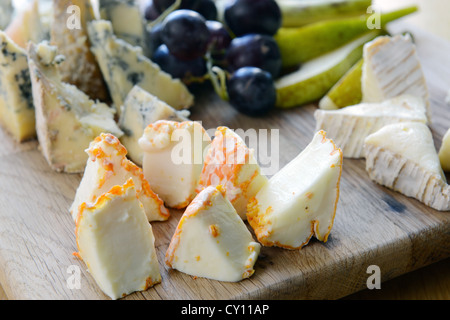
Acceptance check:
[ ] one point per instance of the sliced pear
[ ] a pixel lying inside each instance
(117, 244)
(299, 45)
(444, 152)
(316, 77)
(351, 125)
(402, 157)
(6, 13)
(212, 241)
(346, 92)
(300, 200)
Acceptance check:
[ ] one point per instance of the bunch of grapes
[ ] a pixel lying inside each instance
(190, 40)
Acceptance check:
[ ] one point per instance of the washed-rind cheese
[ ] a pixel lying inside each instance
(300, 200)
(16, 100)
(126, 18)
(66, 119)
(108, 166)
(140, 109)
(444, 152)
(348, 127)
(173, 159)
(391, 68)
(117, 244)
(403, 157)
(80, 67)
(212, 241)
(230, 163)
(124, 66)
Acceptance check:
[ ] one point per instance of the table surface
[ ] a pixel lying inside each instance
(431, 282)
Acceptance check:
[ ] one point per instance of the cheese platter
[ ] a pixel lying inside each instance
(44, 245)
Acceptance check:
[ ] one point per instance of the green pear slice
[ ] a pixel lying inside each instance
(346, 92)
(316, 77)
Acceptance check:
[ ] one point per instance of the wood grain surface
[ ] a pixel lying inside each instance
(373, 225)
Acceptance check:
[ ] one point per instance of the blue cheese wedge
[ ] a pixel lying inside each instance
(16, 100)
(391, 68)
(66, 119)
(212, 241)
(140, 109)
(108, 166)
(126, 18)
(300, 200)
(124, 66)
(444, 152)
(403, 157)
(173, 159)
(349, 126)
(117, 244)
(230, 163)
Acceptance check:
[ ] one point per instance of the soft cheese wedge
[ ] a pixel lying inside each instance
(300, 200)
(444, 152)
(230, 163)
(391, 68)
(108, 166)
(124, 66)
(16, 101)
(403, 158)
(348, 127)
(173, 159)
(66, 119)
(140, 109)
(80, 68)
(212, 241)
(116, 243)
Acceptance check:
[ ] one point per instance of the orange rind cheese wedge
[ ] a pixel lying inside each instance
(300, 200)
(116, 242)
(212, 241)
(107, 167)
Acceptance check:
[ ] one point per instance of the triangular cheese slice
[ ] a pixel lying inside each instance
(403, 158)
(229, 162)
(108, 166)
(140, 109)
(348, 127)
(116, 243)
(16, 101)
(80, 67)
(444, 152)
(66, 119)
(212, 241)
(124, 66)
(301, 199)
(391, 68)
(173, 159)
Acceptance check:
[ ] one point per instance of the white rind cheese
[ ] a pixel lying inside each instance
(124, 66)
(66, 119)
(108, 166)
(403, 158)
(16, 100)
(173, 159)
(391, 68)
(140, 109)
(349, 126)
(212, 241)
(300, 200)
(116, 243)
(230, 163)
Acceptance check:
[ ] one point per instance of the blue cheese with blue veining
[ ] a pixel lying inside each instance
(16, 101)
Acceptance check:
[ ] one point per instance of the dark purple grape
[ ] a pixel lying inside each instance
(163, 5)
(252, 91)
(255, 50)
(153, 38)
(207, 8)
(151, 11)
(185, 33)
(253, 16)
(177, 68)
(220, 39)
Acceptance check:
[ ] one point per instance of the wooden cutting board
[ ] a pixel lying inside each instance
(373, 225)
